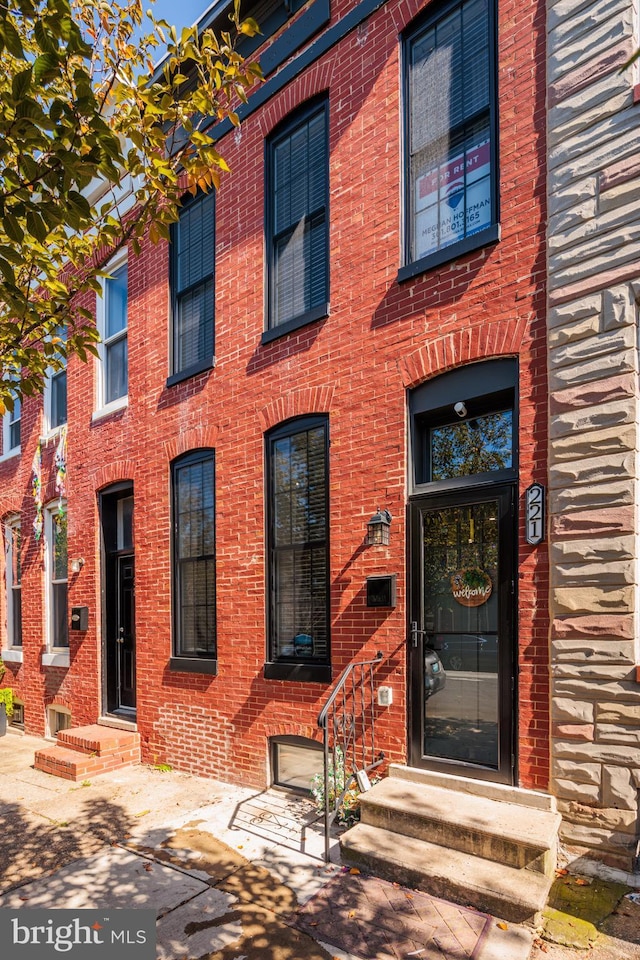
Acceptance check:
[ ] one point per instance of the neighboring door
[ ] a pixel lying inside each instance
(462, 649)
(118, 621)
(125, 635)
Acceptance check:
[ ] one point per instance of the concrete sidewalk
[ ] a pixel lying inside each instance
(231, 873)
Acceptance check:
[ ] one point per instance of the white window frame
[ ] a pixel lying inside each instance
(12, 650)
(49, 428)
(7, 422)
(102, 408)
(55, 655)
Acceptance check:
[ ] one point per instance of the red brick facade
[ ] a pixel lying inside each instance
(381, 338)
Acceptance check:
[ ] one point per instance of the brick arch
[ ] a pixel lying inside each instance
(481, 342)
(194, 438)
(292, 728)
(115, 472)
(8, 511)
(313, 81)
(56, 700)
(296, 404)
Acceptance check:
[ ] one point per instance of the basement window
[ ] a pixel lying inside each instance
(295, 761)
(59, 719)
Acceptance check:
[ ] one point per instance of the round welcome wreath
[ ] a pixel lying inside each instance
(471, 586)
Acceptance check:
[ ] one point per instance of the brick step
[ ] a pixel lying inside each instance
(503, 891)
(98, 740)
(73, 764)
(507, 833)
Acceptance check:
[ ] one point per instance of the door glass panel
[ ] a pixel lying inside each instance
(476, 445)
(461, 626)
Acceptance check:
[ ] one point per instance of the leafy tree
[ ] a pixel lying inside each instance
(96, 150)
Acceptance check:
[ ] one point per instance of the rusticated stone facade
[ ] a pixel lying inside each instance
(594, 286)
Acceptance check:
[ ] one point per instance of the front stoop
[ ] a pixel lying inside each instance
(82, 752)
(493, 848)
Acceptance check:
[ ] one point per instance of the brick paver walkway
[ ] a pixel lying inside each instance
(377, 920)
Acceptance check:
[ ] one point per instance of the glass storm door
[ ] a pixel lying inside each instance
(461, 638)
(125, 639)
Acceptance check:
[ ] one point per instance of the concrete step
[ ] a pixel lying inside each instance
(512, 894)
(71, 764)
(507, 833)
(98, 740)
(479, 788)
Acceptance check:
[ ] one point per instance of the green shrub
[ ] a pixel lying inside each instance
(6, 697)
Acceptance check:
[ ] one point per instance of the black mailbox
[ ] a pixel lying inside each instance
(79, 618)
(381, 591)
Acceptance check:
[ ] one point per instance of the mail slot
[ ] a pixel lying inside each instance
(79, 618)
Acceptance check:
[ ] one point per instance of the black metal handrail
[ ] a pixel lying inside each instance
(347, 721)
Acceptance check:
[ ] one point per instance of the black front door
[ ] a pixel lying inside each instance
(119, 644)
(462, 644)
(125, 635)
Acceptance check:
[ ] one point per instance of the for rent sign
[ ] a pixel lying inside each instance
(453, 200)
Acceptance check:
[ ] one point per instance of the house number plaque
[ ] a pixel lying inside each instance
(534, 501)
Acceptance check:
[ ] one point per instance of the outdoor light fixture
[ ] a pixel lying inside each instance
(378, 527)
(77, 565)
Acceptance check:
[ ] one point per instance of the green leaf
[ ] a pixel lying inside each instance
(36, 226)
(20, 84)
(44, 66)
(12, 228)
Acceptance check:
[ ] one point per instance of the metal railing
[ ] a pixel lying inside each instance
(347, 721)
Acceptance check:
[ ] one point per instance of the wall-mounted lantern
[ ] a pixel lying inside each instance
(378, 528)
(77, 565)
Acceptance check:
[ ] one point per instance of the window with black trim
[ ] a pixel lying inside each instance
(13, 580)
(194, 555)
(298, 547)
(451, 134)
(297, 220)
(192, 286)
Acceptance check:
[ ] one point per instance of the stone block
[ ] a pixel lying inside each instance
(597, 392)
(614, 733)
(583, 792)
(597, 838)
(578, 330)
(593, 599)
(595, 671)
(573, 731)
(609, 364)
(621, 713)
(593, 651)
(605, 625)
(621, 342)
(597, 442)
(587, 307)
(614, 572)
(608, 818)
(618, 304)
(603, 416)
(612, 548)
(584, 752)
(609, 494)
(573, 216)
(592, 470)
(618, 789)
(578, 772)
(627, 690)
(571, 710)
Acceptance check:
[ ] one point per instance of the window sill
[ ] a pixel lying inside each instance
(12, 655)
(191, 371)
(109, 408)
(10, 454)
(274, 333)
(60, 659)
(303, 672)
(193, 665)
(453, 252)
(52, 433)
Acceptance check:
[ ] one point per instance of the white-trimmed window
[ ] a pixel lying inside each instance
(13, 582)
(55, 393)
(11, 430)
(113, 376)
(56, 574)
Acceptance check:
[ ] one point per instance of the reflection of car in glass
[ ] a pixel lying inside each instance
(468, 651)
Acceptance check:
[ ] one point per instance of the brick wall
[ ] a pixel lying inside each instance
(355, 366)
